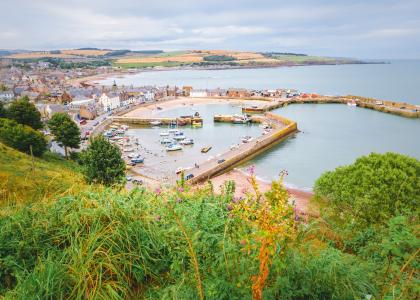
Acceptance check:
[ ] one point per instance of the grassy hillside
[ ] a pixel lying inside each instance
(20, 183)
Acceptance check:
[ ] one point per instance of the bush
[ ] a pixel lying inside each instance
(373, 189)
(21, 137)
(218, 58)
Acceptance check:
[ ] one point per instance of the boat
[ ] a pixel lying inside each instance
(187, 142)
(164, 133)
(124, 127)
(128, 149)
(181, 123)
(178, 133)
(234, 146)
(113, 126)
(179, 137)
(352, 103)
(155, 123)
(247, 139)
(173, 130)
(265, 126)
(173, 147)
(166, 141)
(197, 124)
(134, 155)
(137, 160)
(240, 119)
(206, 149)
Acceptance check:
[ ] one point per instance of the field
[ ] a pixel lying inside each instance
(63, 54)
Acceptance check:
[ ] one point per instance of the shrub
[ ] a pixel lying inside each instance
(21, 137)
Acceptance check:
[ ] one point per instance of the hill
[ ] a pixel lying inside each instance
(20, 183)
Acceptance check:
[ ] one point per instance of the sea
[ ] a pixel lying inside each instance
(330, 135)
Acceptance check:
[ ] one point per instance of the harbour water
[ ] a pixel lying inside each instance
(397, 81)
(331, 135)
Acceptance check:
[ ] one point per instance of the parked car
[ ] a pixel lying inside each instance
(82, 122)
(138, 181)
(221, 161)
(189, 176)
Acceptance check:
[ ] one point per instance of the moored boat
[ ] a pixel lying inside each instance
(155, 123)
(166, 141)
(206, 149)
(173, 147)
(187, 142)
(164, 133)
(247, 139)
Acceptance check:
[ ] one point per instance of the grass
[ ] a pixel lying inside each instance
(148, 65)
(20, 183)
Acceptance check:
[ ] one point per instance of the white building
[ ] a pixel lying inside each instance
(75, 105)
(109, 102)
(6, 96)
(198, 93)
(149, 96)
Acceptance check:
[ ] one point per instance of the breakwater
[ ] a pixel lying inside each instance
(282, 128)
(142, 121)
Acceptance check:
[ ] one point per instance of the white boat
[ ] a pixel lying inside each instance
(128, 149)
(164, 133)
(352, 103)
(166, 141)
(234, 146)
(187, 142)
(240, 119)
(124, 127)
(155, 123)
(247, 139)
(173, 130)
(173, 147)
(134, 155)
(178, 133)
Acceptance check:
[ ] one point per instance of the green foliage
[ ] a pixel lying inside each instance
(2, 110)
(102, 162)
(24, 112)
(373, 189)
(65, 130)
(218, 58)
(22, 137)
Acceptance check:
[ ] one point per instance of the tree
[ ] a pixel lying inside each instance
(103, 163)
(65, 131)
(373, 189)
(22, 137)
(24, 112)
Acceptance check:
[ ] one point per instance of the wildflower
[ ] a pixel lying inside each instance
(157, 218)
(251, 170)
(179, 200)
(180, 189)
(229, 207)
(158, 191)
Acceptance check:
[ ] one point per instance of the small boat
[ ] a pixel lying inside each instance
(164, 133)
(166, 141)
(234, 146)
(240, 119)
(173, 130)
(187, 142)
(173, 147)
(181, 123)
(159, 108)
(179, 137)
(247, 139)
(178, 133)
(124, 127)
(128, 149)
(206, 149)
(113, 126)
(352, 103)
(265, 126)
(155, 123)
(137, 160)
(197, 124)
(120, 131)
(134, 155)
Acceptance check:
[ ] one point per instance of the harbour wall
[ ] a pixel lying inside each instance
(262, 144)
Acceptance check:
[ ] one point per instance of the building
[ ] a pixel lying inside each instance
(87, 112)
(110, 101)
(77, 104)
(198, 93)
(6, 96)
(186, 90)
(238, 93)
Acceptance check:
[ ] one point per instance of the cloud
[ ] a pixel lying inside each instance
(353, 28)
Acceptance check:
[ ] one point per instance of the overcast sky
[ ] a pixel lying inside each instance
(352, 28)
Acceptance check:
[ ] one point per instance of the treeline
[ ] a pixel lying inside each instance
(218, 58)
(271, 54)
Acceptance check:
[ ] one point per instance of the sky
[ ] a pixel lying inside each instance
(374, 29)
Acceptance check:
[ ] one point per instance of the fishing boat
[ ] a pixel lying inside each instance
(124, 127)
(205, 149)
(197, 124)
(173, 130)
(164, 133)
(247, 139)
(173, 147)
(178, 133)
(155, 123)
(166, 141)
(134, 155)
(187, 142)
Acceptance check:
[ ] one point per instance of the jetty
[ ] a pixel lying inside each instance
(281, 129)
(147, 122)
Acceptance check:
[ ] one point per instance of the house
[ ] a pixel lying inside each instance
(186, 90)
(110, 101)
(48, 110)
(238, 93)
(87, 112)
(6, 96)
(198, 93)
